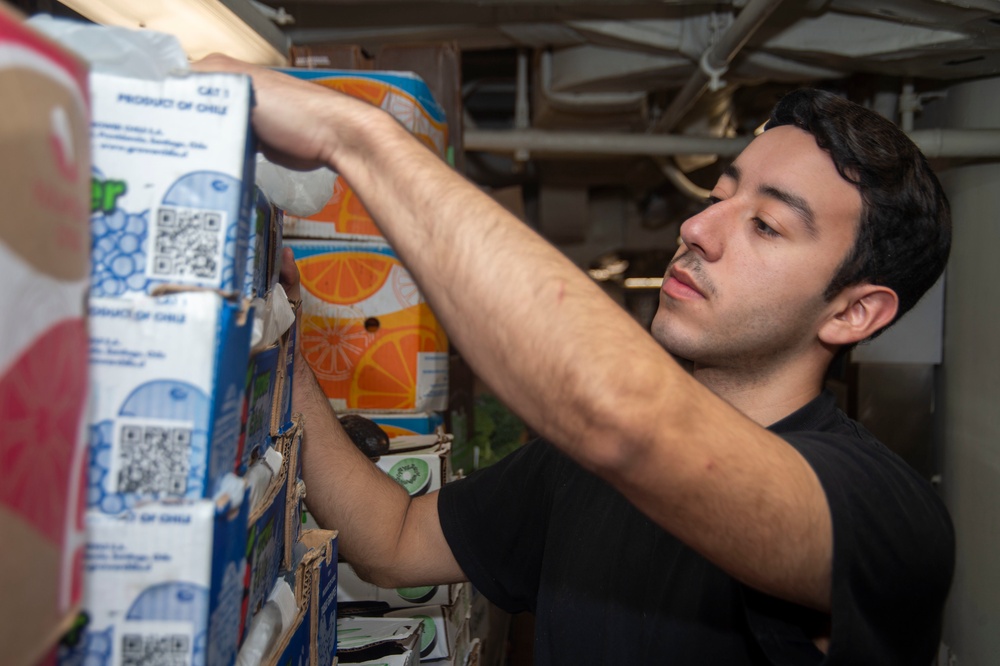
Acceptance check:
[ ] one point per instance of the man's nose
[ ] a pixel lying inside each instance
(704, 233)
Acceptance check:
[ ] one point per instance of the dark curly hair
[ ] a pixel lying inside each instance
(904, 235)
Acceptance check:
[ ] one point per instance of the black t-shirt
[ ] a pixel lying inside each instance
(537, 532)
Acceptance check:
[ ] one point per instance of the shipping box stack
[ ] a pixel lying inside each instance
(367, 332)
(377, 350)
(44, 250)
(193, 491)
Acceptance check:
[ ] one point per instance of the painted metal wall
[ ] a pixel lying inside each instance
(969, 385)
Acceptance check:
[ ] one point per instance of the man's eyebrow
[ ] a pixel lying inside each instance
(793, 201)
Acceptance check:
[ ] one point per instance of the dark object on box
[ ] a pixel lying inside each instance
(366, 435)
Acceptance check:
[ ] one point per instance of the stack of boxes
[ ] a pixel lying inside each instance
(377, 350)
(193, 492)
(367, 333)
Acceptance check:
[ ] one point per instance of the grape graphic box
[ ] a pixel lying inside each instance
(164, 583)
(168, 376)
(172, 182)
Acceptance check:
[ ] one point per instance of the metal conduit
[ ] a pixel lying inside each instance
(716, 59)
(957, 143)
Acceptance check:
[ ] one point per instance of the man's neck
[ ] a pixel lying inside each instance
(764, 397)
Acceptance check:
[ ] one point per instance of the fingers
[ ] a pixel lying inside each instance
(289, 275)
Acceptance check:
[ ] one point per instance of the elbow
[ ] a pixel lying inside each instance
(614, 437)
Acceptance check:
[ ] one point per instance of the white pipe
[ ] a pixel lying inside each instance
(681, 181)
(594, 143)
(970, 143)
(522, 112)
(974, 143)
(716, 59)
(585, 102)
(909, 104)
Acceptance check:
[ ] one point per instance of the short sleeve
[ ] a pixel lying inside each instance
(893, 551)
(495, 521)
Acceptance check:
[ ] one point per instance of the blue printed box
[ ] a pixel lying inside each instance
(263, 382)
(172, 182)
(407, 424)
(284, 407)
(269, 545)
(163, 583)
(263, 246)
(268, 398)
(321, 588)
(167, 376)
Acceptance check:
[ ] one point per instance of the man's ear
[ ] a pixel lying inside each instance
(860, 312)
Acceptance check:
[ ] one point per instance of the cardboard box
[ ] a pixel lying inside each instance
(267, 399)
(354, 590)
(260, 402)
(421, 470)
(271, 535)
(402, 94)
(172, 184)
(367, 333)
(284, 411)
(44, 251)
(263, 246)
(168, 380)
(446, 628)
(365, 639)
(164, 581)
(310, 639)
(321, 585)
(406, 424)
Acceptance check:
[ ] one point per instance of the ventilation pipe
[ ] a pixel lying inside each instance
(954, 143)
(585, 102)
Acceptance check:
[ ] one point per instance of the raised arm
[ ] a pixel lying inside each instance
(566, 358)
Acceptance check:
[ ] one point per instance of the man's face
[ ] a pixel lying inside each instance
(745, 288)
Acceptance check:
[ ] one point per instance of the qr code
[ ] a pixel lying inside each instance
(188, 243)
(153, 459)
(156, 650)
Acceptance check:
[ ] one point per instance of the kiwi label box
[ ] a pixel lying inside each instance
(172, 182)
(168, 376)
(164, 583)
(378, 640)
(422, 470)
(352, 589)
(445, 631)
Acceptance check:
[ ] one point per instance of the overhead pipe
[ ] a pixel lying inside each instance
(715, 60)
(584, 102)
(593, 143)
(952, 143)
(959, 143)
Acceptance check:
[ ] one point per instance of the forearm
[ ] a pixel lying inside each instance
(542, 334)
(391, 539)
(344, 489)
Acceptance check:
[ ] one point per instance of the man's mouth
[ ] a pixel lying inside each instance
(681, 285)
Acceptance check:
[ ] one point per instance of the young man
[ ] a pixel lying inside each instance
(726, 516)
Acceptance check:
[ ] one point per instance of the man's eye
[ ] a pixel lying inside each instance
(709, 201)
(763, 229)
